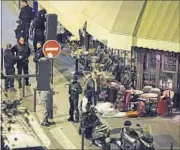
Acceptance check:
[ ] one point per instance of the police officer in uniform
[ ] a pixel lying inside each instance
(26, 15)
(74, 90)
(39, 26)
(22, 52)
(19, 32)
(9, 62)
(39, 54)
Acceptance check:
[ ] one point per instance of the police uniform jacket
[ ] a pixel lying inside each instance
(74, 90)
(19, 31)
(22, 51)
(39, 54)
(9, 58)
(26, 13)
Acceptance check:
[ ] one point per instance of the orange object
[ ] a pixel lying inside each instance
(132, 113)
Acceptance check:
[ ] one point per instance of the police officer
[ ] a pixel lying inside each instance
(39, 26)
(90, 90)
(22, 52)
(19, 32)
(74, 90)
(9, 62)
(26, 15)
(39, 54)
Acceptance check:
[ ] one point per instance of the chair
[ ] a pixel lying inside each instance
(146, 89)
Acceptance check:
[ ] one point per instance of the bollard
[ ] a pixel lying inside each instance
(2, 59)
(23, 90)
(82, 143)
(34, 99)
(51, 97)
(171, 146)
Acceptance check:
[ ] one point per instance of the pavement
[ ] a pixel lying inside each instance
(64, 134)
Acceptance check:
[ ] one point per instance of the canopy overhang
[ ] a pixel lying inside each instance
(122, 23)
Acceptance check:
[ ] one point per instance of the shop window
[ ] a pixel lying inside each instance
(166, 80)
(169, 63)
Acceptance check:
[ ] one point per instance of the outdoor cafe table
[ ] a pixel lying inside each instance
(137, 92)
(149, 95)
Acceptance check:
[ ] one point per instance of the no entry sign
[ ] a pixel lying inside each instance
(51, 48)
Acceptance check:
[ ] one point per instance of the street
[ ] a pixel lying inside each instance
(64, 134)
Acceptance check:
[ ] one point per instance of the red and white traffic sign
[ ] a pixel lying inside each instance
(51, 48)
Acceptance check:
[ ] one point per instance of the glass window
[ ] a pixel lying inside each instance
(169, 63)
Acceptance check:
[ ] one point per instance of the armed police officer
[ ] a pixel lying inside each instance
(26, 16)
(39, 27)
(39, 54)
(74, 90)
(9, 62)
(19, 32)
(22, 52)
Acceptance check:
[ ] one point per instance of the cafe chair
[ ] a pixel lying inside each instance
(146, 89)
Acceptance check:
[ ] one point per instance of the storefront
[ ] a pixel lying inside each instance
(157, 68)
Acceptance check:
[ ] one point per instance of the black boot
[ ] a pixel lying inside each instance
(70, 119)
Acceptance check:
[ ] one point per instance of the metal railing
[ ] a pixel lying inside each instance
(21, 77)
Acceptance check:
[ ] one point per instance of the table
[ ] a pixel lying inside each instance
(149, 95)
(137, 92)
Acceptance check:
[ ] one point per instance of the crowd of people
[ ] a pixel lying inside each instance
(19, 53)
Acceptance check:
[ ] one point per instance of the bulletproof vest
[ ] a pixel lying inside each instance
(22, 51)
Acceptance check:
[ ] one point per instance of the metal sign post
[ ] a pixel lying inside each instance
(51, 49)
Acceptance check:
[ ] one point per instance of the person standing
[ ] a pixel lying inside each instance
(90, 90)
(74, 90)
(46, 98)
(23, 52)
(39, 27)
(39, 54)
(26, 16)
(9, 62)
(19, 30)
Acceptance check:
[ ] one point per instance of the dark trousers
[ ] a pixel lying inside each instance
(39, 36)
(23, 68)
(9, 82)
(73, 106)
(26, 26)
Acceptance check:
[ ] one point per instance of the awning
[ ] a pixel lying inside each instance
(68, 13)
(113, 21)
(159, 27)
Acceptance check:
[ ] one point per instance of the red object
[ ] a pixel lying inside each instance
(163, 108)
(127, 99)
(51, 48)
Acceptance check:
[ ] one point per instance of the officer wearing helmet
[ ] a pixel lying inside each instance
(23, 52)
(9, 62)
(74, 90)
